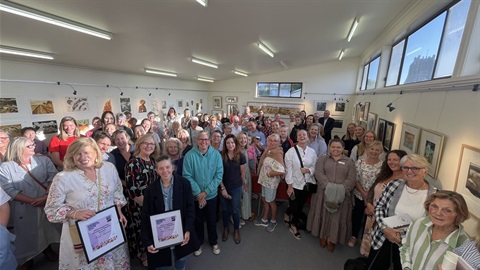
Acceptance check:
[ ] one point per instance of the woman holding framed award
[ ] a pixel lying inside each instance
(86, 186)
(172, 192)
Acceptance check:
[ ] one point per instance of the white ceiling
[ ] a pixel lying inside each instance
(164, 34)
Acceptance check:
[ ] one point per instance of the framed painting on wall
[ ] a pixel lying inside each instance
(338, 123)
(389, 133)
(14, 129)
(217, 102)
(230, 108)
(381, 129)
(339, 108)
(283, 109)
(409, 138)
(372, 121)
(76, 104)
(125, 104)
(39, 107)
(467, 181)
(231, 99)
(321, 105)
(431, 146)
(8, 105)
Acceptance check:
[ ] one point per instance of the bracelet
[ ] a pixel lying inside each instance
(74, 214)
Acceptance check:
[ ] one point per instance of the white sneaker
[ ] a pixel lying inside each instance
(198, 252)
(216, 249)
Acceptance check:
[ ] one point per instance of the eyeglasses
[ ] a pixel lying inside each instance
(413, 169)
(149, 144)
(31, 146)
(443, 211)
(4, 138)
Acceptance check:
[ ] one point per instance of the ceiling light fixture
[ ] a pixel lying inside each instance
(52, 19)
(352, 29)
(205, 63)
(265, 49)
(205, 79)
(284, 64)
(24, 52)
(203, 2)
(159, 72)
(241, 73)
(340, 56)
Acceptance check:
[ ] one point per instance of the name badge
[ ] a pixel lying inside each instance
(341, 162)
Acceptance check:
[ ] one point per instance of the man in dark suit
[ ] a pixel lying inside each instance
(327, 123)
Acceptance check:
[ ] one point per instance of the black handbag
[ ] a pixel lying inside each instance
(309, 187)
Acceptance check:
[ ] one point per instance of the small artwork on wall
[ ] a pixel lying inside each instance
(39, 107)
(468, 178)
(14, 129)
(164, 104)
(339, 108)
(338, 123)
(83, 125)
(125, 104)
(141, 107)
(179, 103)
(321, 105)
(8, 105)
(76, 104)
(46, 127)
(107, 106)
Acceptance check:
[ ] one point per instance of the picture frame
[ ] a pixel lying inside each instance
(217, 102)
(430, 146)
(179, 103)
(321, 105)
(75, 104)
(372, 121)
(366, 111)
(101, 233)
(388, 137)
(381, 129)
(230, 108)
(231, 99)
(467, 181)
(409, 138)
(14, 129)
(8, 105)
(42, 107)
(339, 108)
(167, 229)
(339, 123)
(270, 109)
(358, 113)
(125, 104)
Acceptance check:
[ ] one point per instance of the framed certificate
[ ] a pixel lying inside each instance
(101, 233)
(167, 229)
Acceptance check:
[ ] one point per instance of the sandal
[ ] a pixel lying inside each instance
(295, 234)
(286, 222)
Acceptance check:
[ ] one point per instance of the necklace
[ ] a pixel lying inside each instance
(416, 190)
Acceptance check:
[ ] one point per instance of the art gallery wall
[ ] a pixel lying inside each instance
(97, 93)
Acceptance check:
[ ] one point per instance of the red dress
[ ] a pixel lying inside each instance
(60, 146)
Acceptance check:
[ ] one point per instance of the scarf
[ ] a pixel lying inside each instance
(275, 153)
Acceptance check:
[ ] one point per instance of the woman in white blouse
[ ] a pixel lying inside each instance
(298, 174)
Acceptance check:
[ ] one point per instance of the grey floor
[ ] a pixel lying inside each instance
(259, 249)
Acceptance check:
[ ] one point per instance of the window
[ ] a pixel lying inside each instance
(370, 73)
(430, 52)
(283, 90)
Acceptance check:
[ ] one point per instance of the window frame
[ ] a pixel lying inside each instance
(279, 87)
(363, 87)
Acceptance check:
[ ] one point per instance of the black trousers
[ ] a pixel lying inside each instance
(385, 256)
(358, 217)
(295, 207)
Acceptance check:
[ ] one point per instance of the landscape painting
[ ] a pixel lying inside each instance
(47, 127)
(8, 105)
(39, 107)
(14, 129)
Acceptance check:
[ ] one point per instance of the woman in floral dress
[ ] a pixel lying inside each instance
(86, 186)
(140, 172)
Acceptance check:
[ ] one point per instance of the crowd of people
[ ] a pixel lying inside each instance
(205, 166)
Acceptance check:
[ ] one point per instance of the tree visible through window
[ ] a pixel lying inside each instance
(277, 89)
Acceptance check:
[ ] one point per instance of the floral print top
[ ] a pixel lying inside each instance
(366, 175)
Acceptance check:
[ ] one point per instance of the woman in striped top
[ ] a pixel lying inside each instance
(470, 250)
(430, 237)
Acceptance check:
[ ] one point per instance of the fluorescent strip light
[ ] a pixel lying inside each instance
(159, 72)
(205, 63)
(352, 30)
(203, 2)
(340, 56)
(284, 64)
(24, 52)
(265, 49)
(52, 19)
(241, 73)
(205, 79)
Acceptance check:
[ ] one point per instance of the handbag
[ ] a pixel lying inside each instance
(309, 187)
(77, 242)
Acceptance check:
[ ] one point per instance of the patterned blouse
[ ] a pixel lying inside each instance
(270, 164)
(366, 175)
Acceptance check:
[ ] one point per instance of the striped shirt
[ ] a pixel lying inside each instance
(418, 251)
(469, 252)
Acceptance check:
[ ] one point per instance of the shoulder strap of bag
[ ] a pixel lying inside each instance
(32, 176)
(298, 154)
(99, 189)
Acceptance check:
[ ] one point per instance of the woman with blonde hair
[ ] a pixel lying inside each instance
(26, 178)
(350, 139)
(69, 132)
(359, 151)
(5, 138)
(140, 172)
(172, 148)
(86, 186)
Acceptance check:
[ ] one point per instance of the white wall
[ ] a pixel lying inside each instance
(97, 96)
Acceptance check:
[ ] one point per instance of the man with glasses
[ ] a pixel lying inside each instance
(203, 167)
